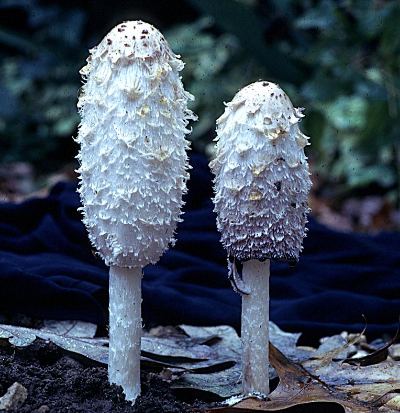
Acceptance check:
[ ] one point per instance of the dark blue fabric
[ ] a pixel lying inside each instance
(48, 270)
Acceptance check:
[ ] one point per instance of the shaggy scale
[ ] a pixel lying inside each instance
(261, 175)
(133, 161)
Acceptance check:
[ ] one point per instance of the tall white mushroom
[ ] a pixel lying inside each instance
(261, 189)
(133, 172)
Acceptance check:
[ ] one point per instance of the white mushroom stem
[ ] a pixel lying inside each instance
(125, 329)
(255, 332)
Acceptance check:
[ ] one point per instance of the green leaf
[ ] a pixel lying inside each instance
(12, 39)
(377, 131)
(347, 112)
(320, 17)
(240, 19)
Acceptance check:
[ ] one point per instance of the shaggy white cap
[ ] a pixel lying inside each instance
(261, 175)
(133, 161)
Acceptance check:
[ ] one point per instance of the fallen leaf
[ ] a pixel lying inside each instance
(334, 347)
(394, 352)
(22, 337)
(337, 347)
(224, 383)
(179, 351)
(375, 357)
(70, 328)
(357, 389)
(183, 348)
(297, 386)
(227, 382)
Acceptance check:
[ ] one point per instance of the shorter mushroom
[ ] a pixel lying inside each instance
(261, 199)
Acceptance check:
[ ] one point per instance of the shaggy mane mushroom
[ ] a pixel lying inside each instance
(261, 189)
(133, 171)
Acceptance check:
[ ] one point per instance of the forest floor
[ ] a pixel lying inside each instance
(43, 377)
(57, 383)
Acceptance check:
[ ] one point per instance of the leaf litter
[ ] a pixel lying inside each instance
(344, 370)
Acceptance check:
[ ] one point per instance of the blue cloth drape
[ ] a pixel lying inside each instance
(48, 270)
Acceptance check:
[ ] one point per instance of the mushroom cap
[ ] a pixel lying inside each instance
(133, 160)
(134, 39)
(261, 175)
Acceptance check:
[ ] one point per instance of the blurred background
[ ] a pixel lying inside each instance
(338, 59)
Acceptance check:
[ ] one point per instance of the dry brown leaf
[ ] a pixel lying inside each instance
(357, 389)
(377, 356)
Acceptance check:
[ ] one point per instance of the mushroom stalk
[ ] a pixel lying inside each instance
(125, 329)
(255, 333)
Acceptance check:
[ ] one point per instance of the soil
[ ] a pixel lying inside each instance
(58, 383)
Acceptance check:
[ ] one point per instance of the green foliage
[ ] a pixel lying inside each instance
(341, 61)
(39, 84)
(241, 18)
(353, 49)
(214, 71)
